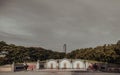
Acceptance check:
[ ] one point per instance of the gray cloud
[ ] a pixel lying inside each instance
(51, 23)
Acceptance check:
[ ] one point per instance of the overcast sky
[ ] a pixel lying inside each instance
(51, 23)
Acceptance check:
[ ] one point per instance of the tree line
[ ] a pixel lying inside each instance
(30, 54)
(107, 53)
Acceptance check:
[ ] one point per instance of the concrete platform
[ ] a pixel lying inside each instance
(61, 70)
(56, 73)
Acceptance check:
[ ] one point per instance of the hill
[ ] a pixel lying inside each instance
(21, 53)
(107, 53)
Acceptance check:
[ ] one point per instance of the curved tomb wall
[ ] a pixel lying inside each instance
(65, 64)
(78, 64)
(52, 64)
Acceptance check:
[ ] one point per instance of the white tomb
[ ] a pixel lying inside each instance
(65, 64)
(78, 64)
(52, 64)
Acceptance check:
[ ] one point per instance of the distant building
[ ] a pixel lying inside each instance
(3, 53)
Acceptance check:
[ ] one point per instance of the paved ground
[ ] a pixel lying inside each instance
(56, 73)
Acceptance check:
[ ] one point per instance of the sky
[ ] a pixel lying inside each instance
(52, 23)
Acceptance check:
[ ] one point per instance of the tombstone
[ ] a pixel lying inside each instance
(13, 67)
(64, 65)
(38, 65)
(78, 66)
(51, 65)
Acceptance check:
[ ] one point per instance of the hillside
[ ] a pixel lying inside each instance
(108, 53)
(21, 53)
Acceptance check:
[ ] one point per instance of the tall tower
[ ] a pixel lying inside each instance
(65, 48)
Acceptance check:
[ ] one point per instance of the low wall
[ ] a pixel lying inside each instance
(5, 68)
(31, 66)
(20, 66)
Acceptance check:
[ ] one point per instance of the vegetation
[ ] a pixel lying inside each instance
(21, 53)
(108, 53)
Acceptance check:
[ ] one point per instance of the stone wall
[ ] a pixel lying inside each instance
(6, 68)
